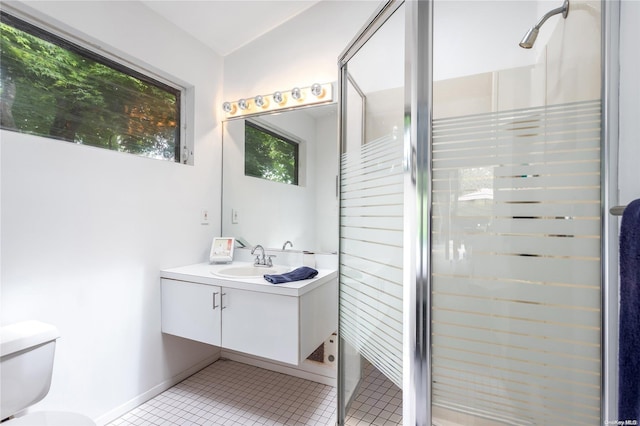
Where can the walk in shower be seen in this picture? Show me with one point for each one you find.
(471, 227)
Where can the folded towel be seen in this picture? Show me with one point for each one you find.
(302, 273)
(629, 323)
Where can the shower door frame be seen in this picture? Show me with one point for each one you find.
(609, 62)
(418, 283)
(418, 203)
(417, 187)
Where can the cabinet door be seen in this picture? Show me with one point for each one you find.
(191, 310)
(260, 324)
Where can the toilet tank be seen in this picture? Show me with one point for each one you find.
(26, 364)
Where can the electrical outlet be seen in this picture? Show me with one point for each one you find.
(234, 216)
(204, 217)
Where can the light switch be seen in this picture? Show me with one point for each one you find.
(234, 216)
(204, 217)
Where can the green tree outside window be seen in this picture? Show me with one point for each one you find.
(268, 155)
(50, 87)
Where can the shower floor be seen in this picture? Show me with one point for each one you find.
(378, 401)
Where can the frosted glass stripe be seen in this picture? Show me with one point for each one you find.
(547, 169)
(532, 268)
(519, 117)
(456, 373)
(365, 212)
(527, 293)
(516, 264)
(587, 180)
(532, 226)
(373, 158)
(500, 159)
(534, 329)
(523, 309)
(373, 176)
(357, 192)
(502, 156)
(563, 141)
(381, 286)
(584, 209)
(565, 135)
(487, 243)
(372, 222)
(575, 351)
(565, 128)
(371, 253)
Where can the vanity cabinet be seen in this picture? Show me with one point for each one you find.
(261, 324)
(191, 310)
(284, 322)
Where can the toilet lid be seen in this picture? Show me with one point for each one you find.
(51, 418)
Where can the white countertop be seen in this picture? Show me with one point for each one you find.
(204, 273)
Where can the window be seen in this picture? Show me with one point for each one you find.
(269, 155)
(54, 88)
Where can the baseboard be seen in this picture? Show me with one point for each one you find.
(153, 392)
(323, 375)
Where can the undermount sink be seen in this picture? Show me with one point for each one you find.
(249, 271)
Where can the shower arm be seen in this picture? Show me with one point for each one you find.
(564, 9)
(530, 37)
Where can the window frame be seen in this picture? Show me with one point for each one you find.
(281, 135)
(96, 51)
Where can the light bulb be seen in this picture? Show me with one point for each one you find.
(242, 104)
(316, 90)
(259, 100)
(278, 98)
(295, 93)
(228, 107)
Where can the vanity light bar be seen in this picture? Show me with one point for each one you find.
(296, 97)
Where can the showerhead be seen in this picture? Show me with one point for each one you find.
(530, 37)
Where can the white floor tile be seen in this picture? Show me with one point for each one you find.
(232, 393)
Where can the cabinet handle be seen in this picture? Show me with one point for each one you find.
(214, 301)
(222, 301)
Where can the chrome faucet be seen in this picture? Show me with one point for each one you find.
(262, 260)
(284, 246)
(258, 261)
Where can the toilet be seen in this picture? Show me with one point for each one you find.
(26, 362)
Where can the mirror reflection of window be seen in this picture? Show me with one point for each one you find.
(269, 155)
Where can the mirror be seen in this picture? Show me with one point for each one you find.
(270, 213)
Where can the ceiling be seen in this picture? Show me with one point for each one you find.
(227, 25)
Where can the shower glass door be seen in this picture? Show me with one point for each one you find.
(371, 224)
(515, 255)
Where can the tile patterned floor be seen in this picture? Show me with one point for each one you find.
(379, 402)
(232, 393)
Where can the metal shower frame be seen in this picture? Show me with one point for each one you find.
(417, 187)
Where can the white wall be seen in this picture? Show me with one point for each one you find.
(469, 43)
(85, 231)
(629, 172)
(326, 198)
(300, 52)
